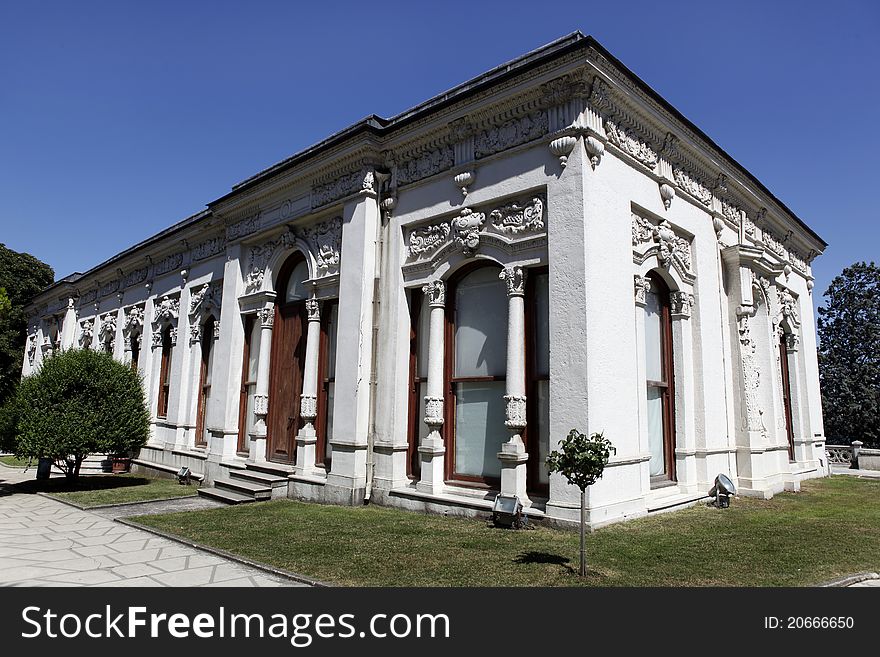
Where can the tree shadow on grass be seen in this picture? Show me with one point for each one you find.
(533, 557)
(83, 483)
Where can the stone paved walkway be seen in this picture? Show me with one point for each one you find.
(46, 543)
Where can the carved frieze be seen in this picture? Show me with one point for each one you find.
(511, 133)
(342, 186)
(209, 248)
(692, 186)
(428, 238)
(135, 276)
(466, 230)
(773, 243)
(515, 218)
(174, 261)
(109, 287)
(425, 164)
(244, 227)
(627, 139)
(731, 212)
(797, 261)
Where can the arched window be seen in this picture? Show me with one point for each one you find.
(295, 289)
(165, 373)
(207, 364)
(476, 369)
(660, 382)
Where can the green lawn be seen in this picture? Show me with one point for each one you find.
(95, 490)
(15, 462)
(830, 529)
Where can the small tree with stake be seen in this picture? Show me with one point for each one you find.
(581, 460)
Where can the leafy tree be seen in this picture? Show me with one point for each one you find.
(849, 356)
(581, 461)
(21, 277)
(79, 402)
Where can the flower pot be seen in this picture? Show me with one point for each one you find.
(120, 464)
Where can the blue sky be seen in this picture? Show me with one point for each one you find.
(118, 119)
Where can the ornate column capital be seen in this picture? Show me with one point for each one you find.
(267, 317)
(642, 284)
(792, 341)
(681, 304)
(313, 310)
(435, 291)
(515, 277)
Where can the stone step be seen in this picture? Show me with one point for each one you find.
(257, 491)
(275, 469)
(226, 495)
(257, 477)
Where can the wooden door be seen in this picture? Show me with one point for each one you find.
(786, 396)
(285, 381)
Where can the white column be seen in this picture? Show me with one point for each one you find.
(306, 439)
(432, 450)
(261, 398)
(513, 454)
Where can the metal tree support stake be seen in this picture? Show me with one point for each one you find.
(583, 523)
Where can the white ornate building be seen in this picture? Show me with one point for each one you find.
(415, 310)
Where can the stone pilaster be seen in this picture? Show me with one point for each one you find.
(513, 454)
(432, 450)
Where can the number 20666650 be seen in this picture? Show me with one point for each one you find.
(809, 622)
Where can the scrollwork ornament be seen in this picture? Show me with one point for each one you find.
(466, 230)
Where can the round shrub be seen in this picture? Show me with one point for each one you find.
(80, 402)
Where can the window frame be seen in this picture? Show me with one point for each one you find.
(204, 390)
(165, 374)
(668, 385)
(449, 381)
